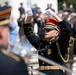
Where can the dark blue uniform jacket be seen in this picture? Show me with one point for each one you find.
(11, 64)
(49, 50)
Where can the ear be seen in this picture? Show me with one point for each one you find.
(56, 33)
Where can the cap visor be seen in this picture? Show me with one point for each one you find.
(49, 28)
(5, 22)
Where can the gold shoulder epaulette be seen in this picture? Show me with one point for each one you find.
(11, 55)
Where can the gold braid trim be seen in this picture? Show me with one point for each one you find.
(59, 52)
(4, 22)
(11, 55)
(71, 42)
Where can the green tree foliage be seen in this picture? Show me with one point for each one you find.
(60, 2)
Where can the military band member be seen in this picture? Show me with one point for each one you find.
(53, 46)
(10, 64)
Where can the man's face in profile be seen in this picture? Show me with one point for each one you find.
(51, 33)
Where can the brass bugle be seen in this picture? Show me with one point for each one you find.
(44, 59)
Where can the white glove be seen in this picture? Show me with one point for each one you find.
(29, 12)
(49, 13)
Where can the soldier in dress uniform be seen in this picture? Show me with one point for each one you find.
(53, 46)
(10, 64)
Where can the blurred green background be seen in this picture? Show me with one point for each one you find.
(60, 2)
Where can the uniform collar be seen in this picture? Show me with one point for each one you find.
(52, 41)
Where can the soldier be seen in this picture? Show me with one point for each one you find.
(20, 21)
(10, 64)
(21, 9)
(54, 45)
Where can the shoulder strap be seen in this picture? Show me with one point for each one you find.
(11, 55)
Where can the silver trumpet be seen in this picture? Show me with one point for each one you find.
(42, 58)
